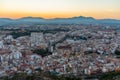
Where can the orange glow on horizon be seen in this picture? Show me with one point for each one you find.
(98, 9)
(97, 15)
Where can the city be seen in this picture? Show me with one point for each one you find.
(59, 39)
(72, 50)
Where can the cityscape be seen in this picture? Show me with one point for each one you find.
(64, 47)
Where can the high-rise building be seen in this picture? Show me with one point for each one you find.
(37, 39)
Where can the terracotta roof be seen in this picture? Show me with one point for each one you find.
(4, 51)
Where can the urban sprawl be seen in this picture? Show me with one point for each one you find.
(68, 49)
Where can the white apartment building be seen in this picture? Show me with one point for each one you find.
(36, 39)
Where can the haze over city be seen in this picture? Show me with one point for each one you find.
(98, 9)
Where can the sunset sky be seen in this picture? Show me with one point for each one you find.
(60, 8)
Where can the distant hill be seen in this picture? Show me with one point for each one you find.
(73, 20)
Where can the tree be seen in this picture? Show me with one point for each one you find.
(42, 52)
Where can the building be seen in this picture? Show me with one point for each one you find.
(36, 39)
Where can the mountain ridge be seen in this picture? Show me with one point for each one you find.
(72, 20)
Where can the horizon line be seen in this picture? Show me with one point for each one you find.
(57, 17)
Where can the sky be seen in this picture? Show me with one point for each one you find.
(98, 9)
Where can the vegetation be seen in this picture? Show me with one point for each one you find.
(117, 52)
(111, 76)
(77, 37)
(42, 52)
(41, 75)
(17, 32)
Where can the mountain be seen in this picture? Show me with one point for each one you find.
(73, 20)
(5, 21)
